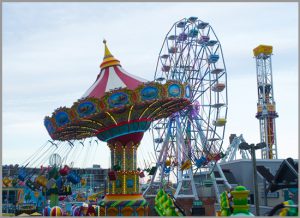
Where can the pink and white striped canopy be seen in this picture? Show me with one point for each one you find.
(112, 77)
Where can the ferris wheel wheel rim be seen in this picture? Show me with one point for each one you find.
(204, 50)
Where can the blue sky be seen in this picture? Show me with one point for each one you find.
(52, 53)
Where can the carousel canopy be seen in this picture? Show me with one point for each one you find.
(112, 76)
(117, 105)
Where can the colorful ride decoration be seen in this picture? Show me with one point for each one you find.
(288, 210)
(46, 211)
(238, 202)
(85, 210)
(118, 108)
(225, 205)
(6, 181)
(76, 211)
(22, 174)
(42, 180)
(91, 211)
(164, 205)
(64, 171)
(54, 196)
(56, 211)
(126, 205)
(55, 184)
(73, 177)
(97, 210)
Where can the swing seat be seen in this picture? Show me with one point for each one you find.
(41, 180)
(6, 181)
(73, 178)
(64, 171)
(22, 175)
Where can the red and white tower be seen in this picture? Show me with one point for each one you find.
(266, 110)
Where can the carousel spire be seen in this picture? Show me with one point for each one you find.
(108, 60)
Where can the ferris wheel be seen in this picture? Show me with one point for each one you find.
(192, 138)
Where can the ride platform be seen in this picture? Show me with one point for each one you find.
(124, 205)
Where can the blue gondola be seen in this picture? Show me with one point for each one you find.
(172, 37)
(22, 175)
(165, 56)
(158, 140)
(213, 58)
(212, 42)
(192, 19)
(73, 177)
(200, 162)
(59, 183)
(193, 33)
(202, 25)
(181, 24)
(160, 79)
(167, 170)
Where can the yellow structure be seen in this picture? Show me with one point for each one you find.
(220, 122)
(265, 49)
(186, 165)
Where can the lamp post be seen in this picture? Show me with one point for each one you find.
(252, 148)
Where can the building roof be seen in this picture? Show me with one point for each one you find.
(229, 176)
(285, 177)
(112, 76)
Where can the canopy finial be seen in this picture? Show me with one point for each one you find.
(108, 59)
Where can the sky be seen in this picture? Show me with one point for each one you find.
(52, 52)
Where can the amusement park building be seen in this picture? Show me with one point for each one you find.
(245, 177)
(235, 176)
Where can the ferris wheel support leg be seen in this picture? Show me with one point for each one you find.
(217, 192)
(181, 178)
(222, 177)
(179, 186)
(193, 185)
(158, 165)
(226, 183)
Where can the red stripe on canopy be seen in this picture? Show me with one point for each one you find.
(99, 90)
(130, 82)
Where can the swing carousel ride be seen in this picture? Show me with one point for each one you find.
(118, 108)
